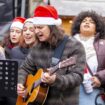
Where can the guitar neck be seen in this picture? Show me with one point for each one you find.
(65, 63)
(53, 69)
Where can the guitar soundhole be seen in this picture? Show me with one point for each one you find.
(44, 85)
(36, 103)
(25, 98)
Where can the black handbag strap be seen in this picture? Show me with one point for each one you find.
(58, 51)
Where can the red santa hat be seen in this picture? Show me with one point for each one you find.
(18, 22)
(46, 15)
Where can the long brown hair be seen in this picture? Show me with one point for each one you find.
(55, 34)
(6, 40)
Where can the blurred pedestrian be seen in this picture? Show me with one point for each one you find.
(2, 53)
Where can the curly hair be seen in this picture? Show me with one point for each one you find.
(98, 19)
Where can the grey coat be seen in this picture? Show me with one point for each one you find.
(65, 90)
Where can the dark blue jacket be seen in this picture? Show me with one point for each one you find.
(19, 54)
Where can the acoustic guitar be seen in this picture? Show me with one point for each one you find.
(35, 89)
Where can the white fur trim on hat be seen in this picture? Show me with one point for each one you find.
(17, 24)
(47, 21)
(29, 20)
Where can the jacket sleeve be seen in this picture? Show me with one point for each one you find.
(74, 75)
(27, 67)
(101, 76)
(100, 50)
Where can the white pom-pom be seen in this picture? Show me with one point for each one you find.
(58, 22)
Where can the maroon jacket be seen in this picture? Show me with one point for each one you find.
(100, 52)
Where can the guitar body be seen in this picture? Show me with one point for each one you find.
(36, 91)
(34, 95)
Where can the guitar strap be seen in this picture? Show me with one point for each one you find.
(58, 51)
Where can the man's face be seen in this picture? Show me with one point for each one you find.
(42, 32)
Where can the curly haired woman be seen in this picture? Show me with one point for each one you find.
(89, 29)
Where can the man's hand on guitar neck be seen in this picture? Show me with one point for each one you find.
(47, 78)
(21, 91)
